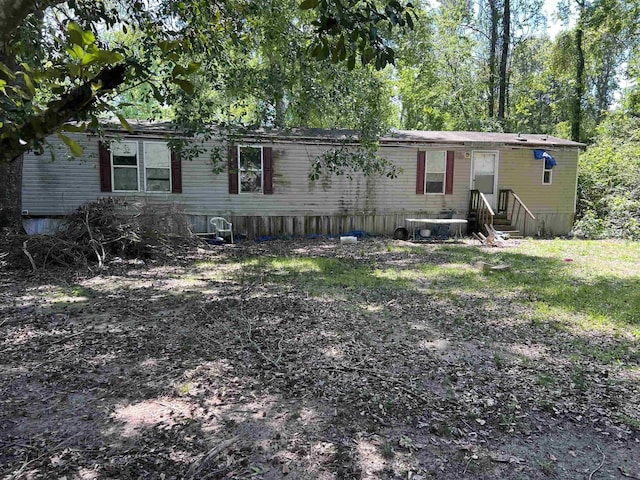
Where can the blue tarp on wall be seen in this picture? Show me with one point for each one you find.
(549, 161)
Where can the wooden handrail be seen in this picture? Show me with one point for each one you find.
(479, 204)
(503, 203)
(517, 206)
(517, 199)
(486, 204)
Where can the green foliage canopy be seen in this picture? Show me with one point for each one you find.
(609, 181)
(63, 61)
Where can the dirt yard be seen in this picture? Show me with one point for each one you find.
(311, 360)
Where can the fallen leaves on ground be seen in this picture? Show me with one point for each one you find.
(219, 366)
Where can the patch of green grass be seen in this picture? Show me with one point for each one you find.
(79, 291)
(630, 421)
(579, 379)
(598, 290)
(76, 291)
(594, 296)
(325, 275)
(508, 422)
(611, 353)
(601, 282)
(409, 249)
(71, 296)
(546, 466)
(545, 380)
(184, 389)
(387, 451)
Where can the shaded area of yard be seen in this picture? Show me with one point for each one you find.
(314, 360)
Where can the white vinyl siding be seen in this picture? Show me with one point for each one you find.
(61, 186)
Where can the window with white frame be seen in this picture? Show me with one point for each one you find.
(157, 167)
(435, 172)
(124, 167)
(250, 169)
(547, 174)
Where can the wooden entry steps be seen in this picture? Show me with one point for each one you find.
(502, 224)
(511, 216)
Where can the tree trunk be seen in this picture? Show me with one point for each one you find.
(493, 47)
(280, 112)
(576, 108)
(11, 194)
(603, 82)
(506, 38)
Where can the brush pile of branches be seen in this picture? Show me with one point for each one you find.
(106, 229)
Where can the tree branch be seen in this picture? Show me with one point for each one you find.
(79, 99)
(14, 12)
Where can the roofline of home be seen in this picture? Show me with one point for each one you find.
(349, 137)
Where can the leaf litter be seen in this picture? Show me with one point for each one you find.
(218, 364)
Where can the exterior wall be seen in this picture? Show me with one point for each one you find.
(57, 183)
(552, 205)
(299, 206)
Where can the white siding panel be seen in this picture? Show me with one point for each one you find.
(294, 194)
(57, 186)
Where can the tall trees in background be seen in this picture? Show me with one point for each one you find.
(75, 60)
(604, 35)
(472, 64)
(498, 53)
(504, 59)
(578, 94)
(268, 76)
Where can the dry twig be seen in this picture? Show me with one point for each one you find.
(627, 475)
(601, 463)
(46, 452)
(205, 459)
(26, 252)
(102, 229)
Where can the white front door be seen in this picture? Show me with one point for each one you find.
(484, 175)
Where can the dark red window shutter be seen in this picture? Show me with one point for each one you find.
(267, 167)
(448, 189)
(104, 155)
(233, 170)
(176, 173)
(420, 174)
